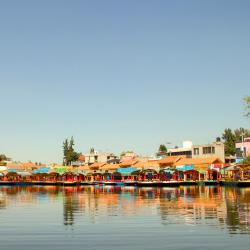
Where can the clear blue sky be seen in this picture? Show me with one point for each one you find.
(120, 75)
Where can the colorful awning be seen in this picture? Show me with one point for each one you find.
(126, 171)
(185, 168)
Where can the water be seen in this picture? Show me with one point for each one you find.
(124, 218)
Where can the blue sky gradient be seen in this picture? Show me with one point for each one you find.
(120, 75)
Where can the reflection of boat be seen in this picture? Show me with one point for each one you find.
(113, 183)
(211, 182)
(70, 183)
(243, 183)
(170, 183)
(188, 183)
(148, 183)
(130, 183)
(88, 183)
(99, 182)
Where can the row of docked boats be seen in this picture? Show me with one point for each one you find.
(150, 183)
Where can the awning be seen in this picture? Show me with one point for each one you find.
(12, 170)
(41, 170)
(3, 168)
(185, 167)
(126, 171)
(24, 173)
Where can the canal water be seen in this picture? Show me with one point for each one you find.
(112, 218)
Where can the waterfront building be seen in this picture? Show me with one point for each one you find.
(243, 148)
(95, 156)
(215, 149)
(207, 168)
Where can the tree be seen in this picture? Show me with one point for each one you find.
(246, 161)
(70, 155)
(246, 101)
(229, 141)
(3, 157)
(162, 148)
(231, 137)
(124, 153)
(240, 133)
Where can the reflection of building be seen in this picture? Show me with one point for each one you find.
(211, 206)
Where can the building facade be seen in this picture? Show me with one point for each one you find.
(96, 156)
(243, 148)
(215, 149)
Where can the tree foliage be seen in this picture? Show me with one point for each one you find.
(69, 154)
(123, 153)
(246, 161)
(230, 137)
(162, 148)
(246, 101)
(3, 157)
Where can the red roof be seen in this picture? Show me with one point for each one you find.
(97, 165)
(169, 160)
(199, 161)
(81, 157)
(128, 163)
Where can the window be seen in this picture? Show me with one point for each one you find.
(196, 151)
(208, 150)
(213, 150)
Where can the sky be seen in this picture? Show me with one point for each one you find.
(120, 75)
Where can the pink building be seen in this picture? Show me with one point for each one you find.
(243, 148)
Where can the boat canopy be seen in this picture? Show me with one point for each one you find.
(126, 171)
(3, 168)
(24, 173)
(185, 167)
(41, 170)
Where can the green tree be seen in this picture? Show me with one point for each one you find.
(229, 140)
(3, 157)
(69, 154)
(246, 160)
(240, 133)
(162, 148)
(246, 101)
(231, 137)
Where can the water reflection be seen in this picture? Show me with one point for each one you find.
(224, 208)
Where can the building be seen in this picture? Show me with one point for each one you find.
(215, 149)
(185, 150)
(243, 148)
(95, 156)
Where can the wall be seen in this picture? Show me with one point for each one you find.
(219, 151)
